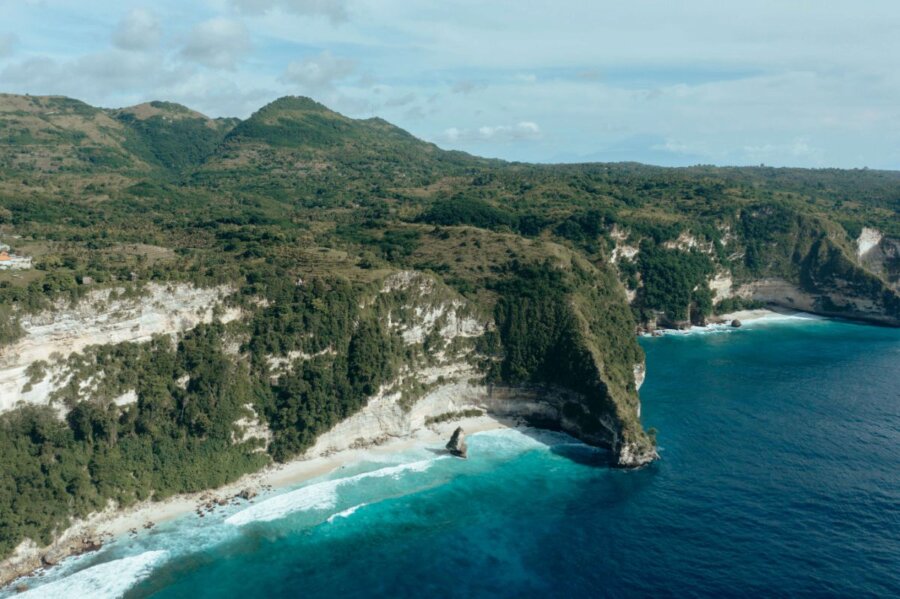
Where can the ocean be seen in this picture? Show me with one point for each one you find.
(780, 476)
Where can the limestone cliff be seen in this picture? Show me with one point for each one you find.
(445, 370)
(35, 366)
(774, 257)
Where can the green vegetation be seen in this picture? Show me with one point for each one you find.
(467, 211)
(174, 144)
(305, 213)
(674, 283)
(173, 440)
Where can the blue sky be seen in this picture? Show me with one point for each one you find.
(785, 83)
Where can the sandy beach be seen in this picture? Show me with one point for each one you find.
(113, 522)
(277, 477)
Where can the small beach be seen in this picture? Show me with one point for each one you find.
(116, 523)
(746, 318)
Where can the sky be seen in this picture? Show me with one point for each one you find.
(775, 82)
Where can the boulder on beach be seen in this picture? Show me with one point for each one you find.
(736, 323)
(457, 444)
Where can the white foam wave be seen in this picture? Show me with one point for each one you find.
(695, 330)
(772, 318)
(779, 317)
(517, 441)
(319, 496)
(346, 513)
(108, 580)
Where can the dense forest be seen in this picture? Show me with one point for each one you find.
(160, 194)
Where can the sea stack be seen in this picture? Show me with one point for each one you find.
(457, 444)
(736, 323)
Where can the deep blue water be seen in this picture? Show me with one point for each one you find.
(780, 475)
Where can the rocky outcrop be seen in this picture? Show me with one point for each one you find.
(29, 557)
(632, 455)
(721, 286)
(838, 301)
(385, 417)
(794, 261)
(881, 255)
(868, 239)
(457, 444)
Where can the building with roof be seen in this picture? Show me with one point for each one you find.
(9, 261)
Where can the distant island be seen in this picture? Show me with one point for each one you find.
(185, 301)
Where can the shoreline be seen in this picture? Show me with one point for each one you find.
(724, 322)
(89, 535)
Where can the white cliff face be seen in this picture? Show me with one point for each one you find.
(101, 318)
(622, 249)
(881, 255)
(439, 379)
(446, 374)
(779, 292)
(868, 239)
(687, 242)
(451, 383)
(445, 318)
(431, 313)
(126, 399)
(721, 286)
(640, 373)
(788, 295)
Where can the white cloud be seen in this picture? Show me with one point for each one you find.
(218, 43)
(798, 149)
(113, 72)
(318, 74)
(138, 30)
(336, 10)
(525, 130)
(685, 83)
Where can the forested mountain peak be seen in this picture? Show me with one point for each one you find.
(167, 110)
(300, 122)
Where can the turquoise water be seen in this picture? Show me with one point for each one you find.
(780, 475)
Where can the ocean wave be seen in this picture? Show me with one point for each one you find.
(710, 329)
(720, 328)
(107, 580)
(318, 496)
(514, 441)
(777, 317)
(346, 513)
